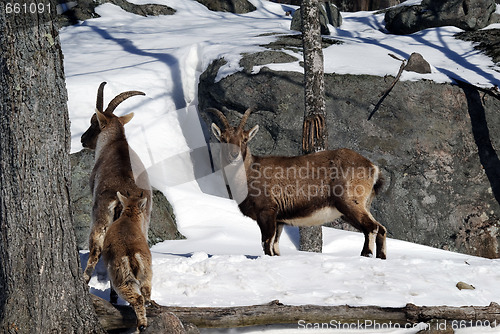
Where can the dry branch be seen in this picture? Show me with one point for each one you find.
(112, 317)
(388, 90)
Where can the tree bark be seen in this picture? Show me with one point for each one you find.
(41, 288)
(315, 136)
(115, 317)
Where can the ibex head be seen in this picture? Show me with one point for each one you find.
(132, 205)
(102, 119)
(236, 136)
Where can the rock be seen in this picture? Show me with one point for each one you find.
(426, 138)
(232, 6)
(417, 63)
(485, 40)
(264, 58)
(81, 198)
(143, 10)
(85, 9)
(162, 225)
(463, 14)
(364, 5)
(166, 323)
(464, 286)
(329, 14)
(352, 5)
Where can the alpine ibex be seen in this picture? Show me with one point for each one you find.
(117, 168)
(303, 190)
(127, 256)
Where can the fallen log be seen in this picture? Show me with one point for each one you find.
(115, 317)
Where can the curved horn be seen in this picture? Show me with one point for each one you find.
(244, 118)
(220, 115)
(120, 98)
(100, 94)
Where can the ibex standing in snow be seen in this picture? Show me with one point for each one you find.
(303, 190)
(128, 258)
(117, 168)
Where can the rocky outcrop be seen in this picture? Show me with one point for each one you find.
(351, 5)
(487, 40)
(463, 14)
(162, 227)
(328, 14)
(434, 142)
(364, 5)
(81, 10)
(232, 6)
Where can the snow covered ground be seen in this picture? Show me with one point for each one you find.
(221, 262)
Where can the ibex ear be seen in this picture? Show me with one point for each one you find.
(101, 119)
(142, 203)
(253, 132)
(121, 198)
(216, 131)
(125, 119)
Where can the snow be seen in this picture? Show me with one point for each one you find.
(221, 262)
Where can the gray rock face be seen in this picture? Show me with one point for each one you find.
(463, 14)
(329, 14)
(487, 40)
(434, 142)
(233, 6)
(85, 9)
(352, 5)
(365, 5)
(162, 225)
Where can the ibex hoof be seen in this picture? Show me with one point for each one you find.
(367, 254)
(142, 328)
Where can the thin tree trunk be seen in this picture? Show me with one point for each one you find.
(41, 289)
(315, 136)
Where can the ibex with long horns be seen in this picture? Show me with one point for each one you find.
(303, 190)
(117, 168)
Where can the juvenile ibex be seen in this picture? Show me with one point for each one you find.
(117, 168)
(128, 258)
(303, 190)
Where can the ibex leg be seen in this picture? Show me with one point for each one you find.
(102, 216)
(129, 291)
(381, 247)
(267, 223)
(96, 242)
(361, 219)
(276, 245)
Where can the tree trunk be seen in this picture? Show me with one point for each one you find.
(41, 288)
(315, 136)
